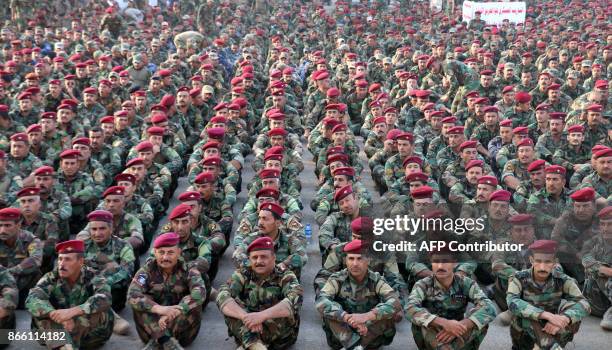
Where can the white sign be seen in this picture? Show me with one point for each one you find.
(435, 5)
(494, 13)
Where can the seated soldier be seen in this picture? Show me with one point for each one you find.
(546, 304)
(261, 302)
(289, 248)
(111, 257)
(357, 306)
(166, 297)
(9, 296)
(597, 262)
(20, 252)
(72, 299)
(437, 307)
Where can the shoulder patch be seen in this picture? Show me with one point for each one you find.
(141, 279)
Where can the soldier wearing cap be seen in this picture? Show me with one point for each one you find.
(341, 177)
(91, 166)
(78, 185)
(90, 110)
(20, 251)
(166, 297)
(336, 229)
(9, 183)
(394, 167)
(573, 228)
(357, 305)
(437, 305)
(20, 161)
(464, 190)
(554, 137)
(289, 247)
(261, 301)
(450, 152)
(597, 261)
(547, 304)
(102, 152)
(288, 179)
(74, 299)
(574, 155)
(599, 180)
(53, 200)
(455, 170)
(215, 205)
(42, 224)
(521, 113)
(594, 127)
(550, 201)
(508, 151)
(270, 179)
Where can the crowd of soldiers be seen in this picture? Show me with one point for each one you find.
(101, 113)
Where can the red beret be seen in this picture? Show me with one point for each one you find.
(575, 129)
(422, 192)
(601, 84)
(34, 128)
(73, 246)
(379, 120)
(28, 191)
(488, 180)
(48, 115)
(189, 196)
(114, 191)
(134, 161)
(322, 75)
(374, 87)
(100, 215)
(342, 192)
(393, 133)
(543, 107)
(212, 161)
(333, 92)
(455, 130)
(605, 213)
(82, 141)
(348, 171)
(407, 136)
(277, 116)
(339, 128)
(355, 246)
(261, 243)
(603, 153)
(24, 96)
(274, 208)
(332, 106)
(507, 89)
(210, 144)
(205, 177)
(107, 120)
(489, 109)
(339, 157)
(168, 239)
(523, 130)
(21, 136)
(269, 173)
(481, 101)
(422, 93)
(555, 169)
(505, 123)
(544, 246)
(412, 159)
(275, 150)
(586, 194)
(522, 97)
(557, 115)
(525, 142)
(598, 148)
(44, 171)
(273, 156)
(536, 165)
(268, 192)
(417, 176)
(521, 219)
(472, 94)
(215, 133)
(180, 211)
(156, 130)
(70, 154)
(486, 72)
(468, 144)
(159, 118)
(595, 108)
(218, 119)
(474, 163)
(144, 146)
(167, 101)
(449, 120)
(90, 91)
(125, 177)
(500, 195)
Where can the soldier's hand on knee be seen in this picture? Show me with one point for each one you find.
(551, 328)
(163, 322)
(68, 325)
(444, 337)
(362, 330)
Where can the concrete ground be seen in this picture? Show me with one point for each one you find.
(213, 333)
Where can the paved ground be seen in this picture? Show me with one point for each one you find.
(213, 334)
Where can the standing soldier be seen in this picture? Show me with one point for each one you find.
(73, 299)
(357, 306)
(597, 262)
(261, 302)
(166, 297)
(535, 297)
(437, 305)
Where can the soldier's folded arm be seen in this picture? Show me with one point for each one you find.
(197, 292)
(518, 306)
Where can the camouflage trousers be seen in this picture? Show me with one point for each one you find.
(425, 338)
(7, 323)
(598, 291)
(184, 328)
(499, 289)
(526, 333)
(277, 333)
(341, 335)
(89, 331)
(24, 284)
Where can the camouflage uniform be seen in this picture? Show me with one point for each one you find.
(602, 187)
(184, 287)
(504, 265)
(126, 226)
(91, 293)
(23, 167)
(115, 261)
(527, 300)
(9, 186)
(546, 145)
(23, 261)
(548, 209)
(81, 190)
(429, 299)
(288, 248)
(9, 296)
(336, 230)
(45, 228)
(341, 294)
(253, 294)
(597, 288)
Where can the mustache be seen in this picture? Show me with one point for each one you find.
(542, 271)
(441, 270)
(260, 265)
